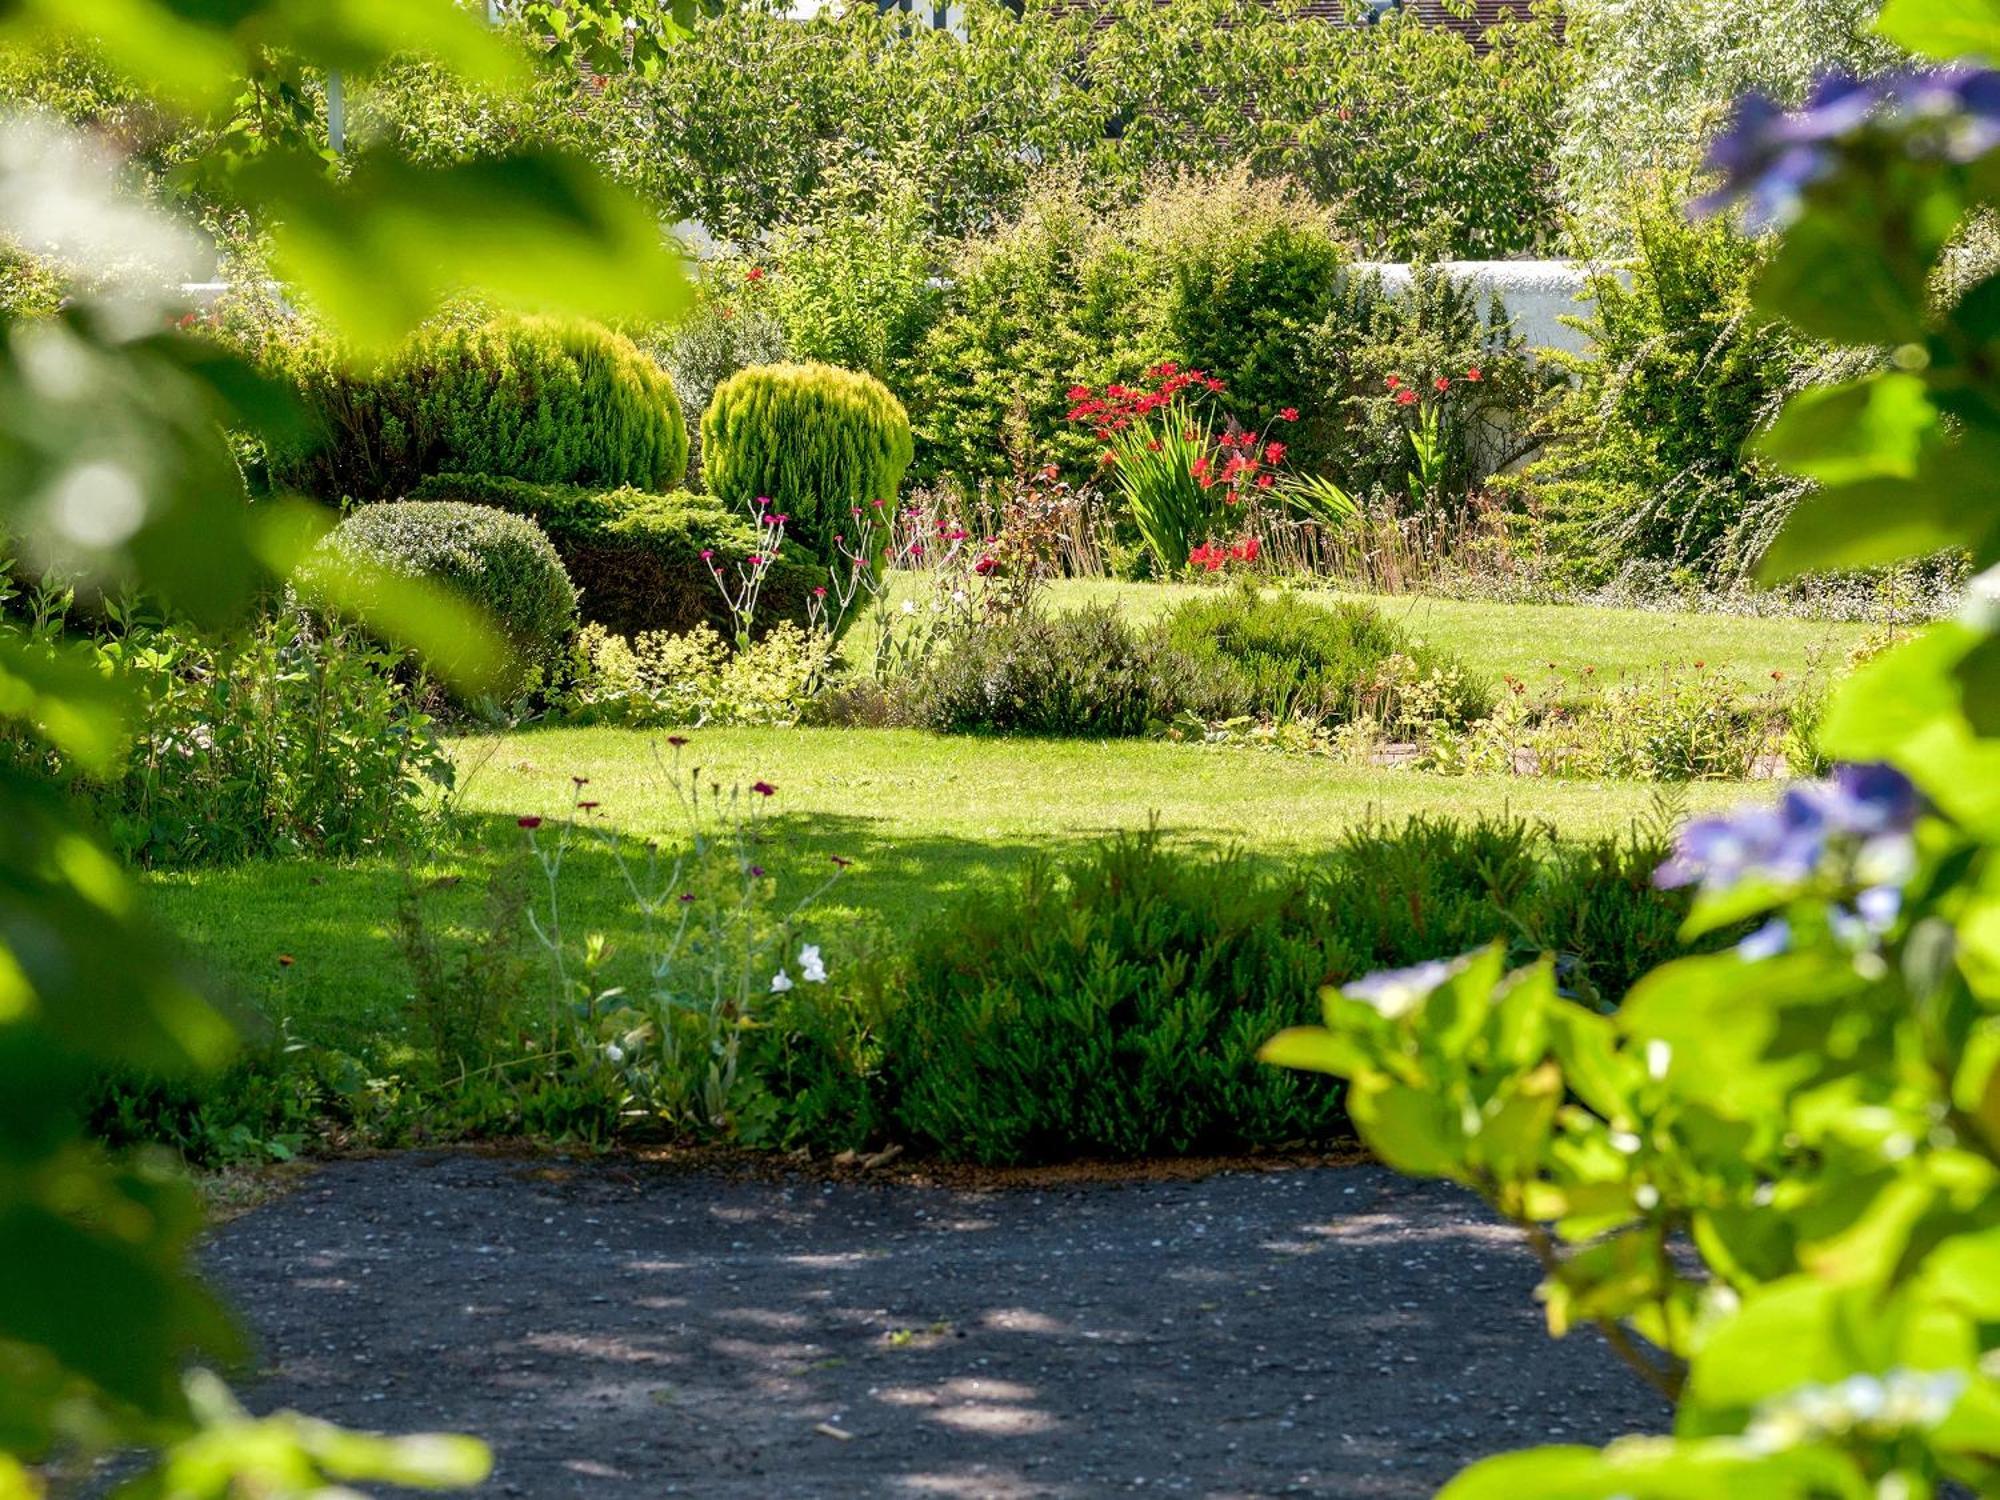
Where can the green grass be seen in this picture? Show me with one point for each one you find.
(922, 818)
(1583, 645)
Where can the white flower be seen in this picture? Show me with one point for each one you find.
(613, 1053)
(909, 606)
(780, 982)
(812, 968)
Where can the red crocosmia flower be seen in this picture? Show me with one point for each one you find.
(1265, 481)
(1109, 459)
(1473, 374)
(985, 565)
(1079, 393)
(1274, 453)
(1394, 382)
(1406, 398)
(1442, 383)
(1289, 414)
(1214, 385)
(1153, 446)
(762, 788)
(530, 822)
(755, 273)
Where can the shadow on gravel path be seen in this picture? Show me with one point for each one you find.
(615, 1330)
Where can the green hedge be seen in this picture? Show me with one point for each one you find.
(636, 557)
(501, 563)
(538, 399)
(1113, 1005)
(815, 439)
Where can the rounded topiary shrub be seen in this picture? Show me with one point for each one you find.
(502, 564)
(816, 439)
(540, 399)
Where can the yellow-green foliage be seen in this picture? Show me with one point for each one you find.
(659, 678)
(816, 439)
(538, 399)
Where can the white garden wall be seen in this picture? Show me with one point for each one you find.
(1537, 294)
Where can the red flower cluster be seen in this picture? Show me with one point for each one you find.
(1215, 556)
(1114, 410)
(1245, 459)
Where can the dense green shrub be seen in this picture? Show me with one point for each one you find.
(1082, 673)
(1646, 463)
(1114, 1005)
(529, 398)
(815, 440)
(854, 282)
(279, 740)
(636, 557)
(1285, 657)
(1223, 274)
(1407, 126)
(1434, 328)
(502, 564)
(1115, 1009)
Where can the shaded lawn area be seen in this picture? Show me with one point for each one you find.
(1538, 642)
(923, 818)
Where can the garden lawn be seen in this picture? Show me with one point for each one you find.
(921, 817)
(1584, 645)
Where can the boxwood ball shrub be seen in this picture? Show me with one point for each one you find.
(501, 563)
(540, 399)
(816, 439)
(635, 556)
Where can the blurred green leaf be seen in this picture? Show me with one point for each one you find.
(541, 232)
(1873, 428)
(1839, 286)
(1944, 28)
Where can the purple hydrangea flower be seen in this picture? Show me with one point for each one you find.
(1769, 156)
(1874, 804)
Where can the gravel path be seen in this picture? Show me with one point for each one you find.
(617, 1330)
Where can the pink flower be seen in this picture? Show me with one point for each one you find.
(762, 788)
(1289, 414)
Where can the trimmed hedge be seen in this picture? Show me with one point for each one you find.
(816, 439)
(539, 399)
(499, 562)
(636, 557)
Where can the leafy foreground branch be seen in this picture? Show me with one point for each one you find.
(115, 472)
(1773, 1176)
